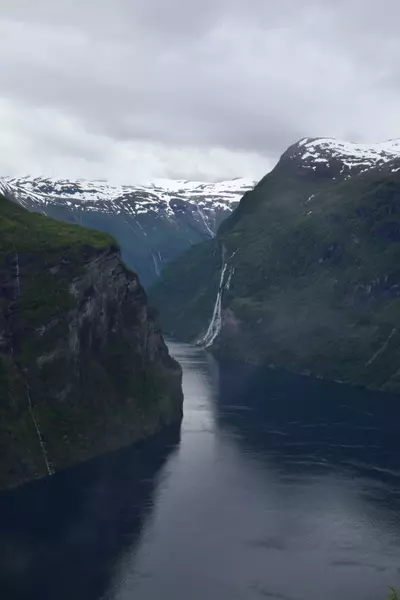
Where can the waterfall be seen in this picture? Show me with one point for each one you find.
(216, 320)
(18, 274)
(140, 227)
(381, 349)
(210, 231)
(230, 275)
(18, 282)
(156, 268)
(49, 468)
(215, 325)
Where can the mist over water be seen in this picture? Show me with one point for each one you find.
(276, 487)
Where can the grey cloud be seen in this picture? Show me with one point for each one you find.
(222, 80)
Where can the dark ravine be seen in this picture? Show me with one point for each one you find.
(83, 367)
(307, 269)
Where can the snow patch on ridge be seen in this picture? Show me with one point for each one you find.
(160, 198)
(99, 191)
(350, 154)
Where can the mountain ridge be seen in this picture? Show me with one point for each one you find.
(152, 223)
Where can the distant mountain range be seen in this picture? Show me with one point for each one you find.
(305, 274)
(153, 223)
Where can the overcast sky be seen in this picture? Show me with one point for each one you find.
(130, 90)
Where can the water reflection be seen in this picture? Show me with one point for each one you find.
(281, 487)
(60, 538)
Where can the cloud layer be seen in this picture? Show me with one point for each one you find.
(130, 90)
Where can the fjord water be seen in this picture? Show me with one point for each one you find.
(276, 487)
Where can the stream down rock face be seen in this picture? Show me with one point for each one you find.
(83, 367)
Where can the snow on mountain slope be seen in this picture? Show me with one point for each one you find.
(153, 223)
(337, 158)
(159, 194)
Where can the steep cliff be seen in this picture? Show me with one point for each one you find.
(304, 275)
(83, 367)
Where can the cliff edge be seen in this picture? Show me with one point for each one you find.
(83, 367)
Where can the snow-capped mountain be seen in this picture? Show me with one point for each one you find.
(328, 157)
(153, 223)
(305, 275)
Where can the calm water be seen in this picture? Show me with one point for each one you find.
(276, 487)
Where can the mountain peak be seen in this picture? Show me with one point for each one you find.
(331, 157)
(381, 151)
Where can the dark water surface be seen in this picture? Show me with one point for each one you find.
(277, 487)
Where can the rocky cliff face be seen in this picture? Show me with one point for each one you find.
(83, 367)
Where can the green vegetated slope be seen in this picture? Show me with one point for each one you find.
(83, 368)
(140, 247)
(316, 281)
(185, 293)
